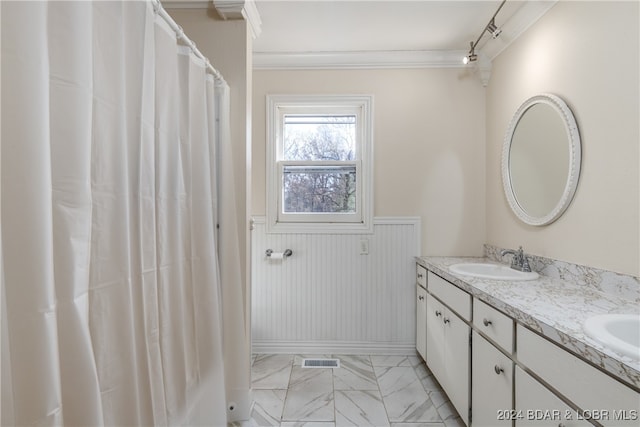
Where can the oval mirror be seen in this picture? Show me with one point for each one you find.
(541, 159)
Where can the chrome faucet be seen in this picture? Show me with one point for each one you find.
(519, 260)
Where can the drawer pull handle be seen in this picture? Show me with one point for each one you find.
(446, 320)
(562, 425)
(438, 313)
(420, 276)
(498, 369)
(486, 322)
(420, 297)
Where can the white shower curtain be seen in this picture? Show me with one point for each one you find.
(111, 311)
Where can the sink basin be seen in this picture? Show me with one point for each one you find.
(491, 271)
(619, 332)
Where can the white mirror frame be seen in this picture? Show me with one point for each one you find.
(574, 159)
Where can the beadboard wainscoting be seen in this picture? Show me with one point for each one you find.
(329, 297)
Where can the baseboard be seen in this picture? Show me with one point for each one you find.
(333, 347)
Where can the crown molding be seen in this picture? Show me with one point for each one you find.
(186, 4)
(240, 9)
(227, 9)
(358, 60)
(518, 23)
(530, 12)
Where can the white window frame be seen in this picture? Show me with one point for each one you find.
(359, 222)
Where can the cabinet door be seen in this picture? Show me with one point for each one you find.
(435, 338)
(421, 321)
(492, 385)
(538, 406)
(456, 359)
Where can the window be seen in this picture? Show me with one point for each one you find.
(319, 159)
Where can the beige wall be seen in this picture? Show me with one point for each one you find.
(428, 146)
(587, 53)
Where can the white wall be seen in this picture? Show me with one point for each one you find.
(428, 146)
(587, 53)
(329, 297)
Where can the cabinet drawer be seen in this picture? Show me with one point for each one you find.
(587, 387)
(456, 298)
(421, 276)
(492, 323)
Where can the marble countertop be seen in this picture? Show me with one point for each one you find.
(555, 308)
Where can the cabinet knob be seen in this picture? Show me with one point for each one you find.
(498, 369)
(486, 322)
(420, 297)
(420, 276)
(446, 320)
(438, 313)
(561, 425)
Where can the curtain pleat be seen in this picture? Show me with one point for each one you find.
(30, 289)
(110, 282)
(71, 94)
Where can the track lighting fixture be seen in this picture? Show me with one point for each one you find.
(490, 28)
(471, 56)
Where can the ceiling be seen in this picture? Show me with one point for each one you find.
(290, 34)
(305, 26)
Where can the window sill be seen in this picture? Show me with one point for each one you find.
(272, 227)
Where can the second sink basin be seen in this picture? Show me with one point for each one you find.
(620, 332)
(486, 270)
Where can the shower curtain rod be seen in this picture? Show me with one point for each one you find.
(157, 6)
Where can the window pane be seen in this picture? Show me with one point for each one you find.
(319, 189)
(319, 137)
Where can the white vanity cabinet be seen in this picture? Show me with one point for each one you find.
(448, 340)
(421, 321)
(504, 374)
(537, 406)
(491, 368)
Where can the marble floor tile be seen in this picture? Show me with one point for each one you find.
(377, 360)
(268, 407)
(302, 405)
(430, 383)
(422, 371)
(307, 424)
(415, 360)
(404, 397)
(446, 410)
(439, 398)
(271, 371)
(454, 422)
(417, 425)
(360, 408)
(355, 373)
(311, 379)
(366, 391)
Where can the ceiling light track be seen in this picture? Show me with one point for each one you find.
(490, 28)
